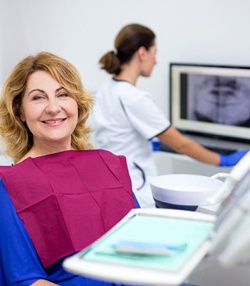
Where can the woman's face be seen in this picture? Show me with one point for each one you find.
(149, 61)
(49, 111)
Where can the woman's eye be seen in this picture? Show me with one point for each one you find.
(38, 97)
(64, 94)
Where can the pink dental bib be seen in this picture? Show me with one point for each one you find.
(67, 200)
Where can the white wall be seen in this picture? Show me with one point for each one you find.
(207, 31)
(195, 31)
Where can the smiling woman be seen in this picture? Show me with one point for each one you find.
(40, 81)
(59, 197)
(50, 113)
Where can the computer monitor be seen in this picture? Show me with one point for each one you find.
(211, 100)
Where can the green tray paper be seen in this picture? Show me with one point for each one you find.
(152, 230)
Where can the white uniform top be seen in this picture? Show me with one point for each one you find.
(125, 119)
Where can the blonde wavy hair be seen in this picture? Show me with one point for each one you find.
(17, 137)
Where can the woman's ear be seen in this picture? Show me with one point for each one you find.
(141, 53)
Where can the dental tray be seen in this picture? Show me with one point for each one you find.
(149, 247)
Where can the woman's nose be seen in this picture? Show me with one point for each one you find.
(53, 106)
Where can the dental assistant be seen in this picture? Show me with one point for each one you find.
(126, 118)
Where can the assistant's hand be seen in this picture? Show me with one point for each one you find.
(231, 159)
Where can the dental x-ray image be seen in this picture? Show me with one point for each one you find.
(219, 99)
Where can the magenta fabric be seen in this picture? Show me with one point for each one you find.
(67, 200)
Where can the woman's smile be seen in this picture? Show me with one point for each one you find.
(54, 122)
(49, 110)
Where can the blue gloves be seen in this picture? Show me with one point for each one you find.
(156, 144)
(231, 159)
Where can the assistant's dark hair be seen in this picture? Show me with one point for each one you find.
(127, 42)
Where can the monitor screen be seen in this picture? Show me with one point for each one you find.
(211, 100)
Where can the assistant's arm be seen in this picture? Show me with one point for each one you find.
(183, 145)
